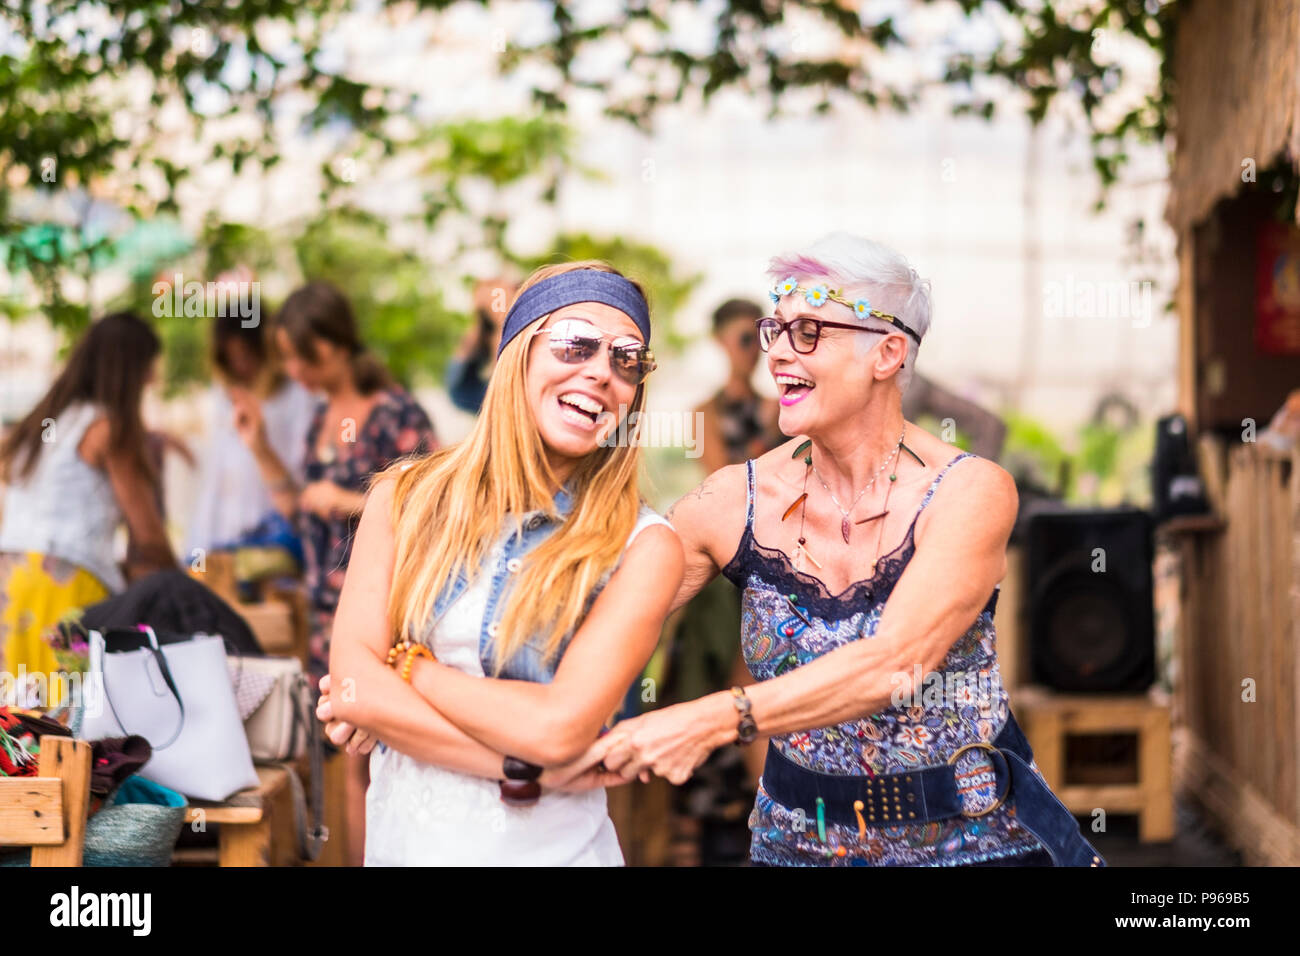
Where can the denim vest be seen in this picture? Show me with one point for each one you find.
(527, 663)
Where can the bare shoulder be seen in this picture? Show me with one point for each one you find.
(657, 546)
(377, 513)
(976, 489)
(93, 448)
(381, 492)
(718, 489)
(712, 513)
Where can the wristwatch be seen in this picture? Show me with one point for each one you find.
(746, 729)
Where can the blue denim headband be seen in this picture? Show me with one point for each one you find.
(568, 288)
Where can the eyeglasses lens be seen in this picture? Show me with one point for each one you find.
(804, 333)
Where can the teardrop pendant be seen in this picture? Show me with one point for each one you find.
(844, 528)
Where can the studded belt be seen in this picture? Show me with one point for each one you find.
(933, 793)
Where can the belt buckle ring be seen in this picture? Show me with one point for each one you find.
(982, 745)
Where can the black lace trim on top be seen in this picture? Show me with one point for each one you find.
(775, 567)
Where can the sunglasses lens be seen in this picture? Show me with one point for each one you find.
(574, 342)
(632, 362)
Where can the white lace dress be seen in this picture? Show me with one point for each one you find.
(421, 815)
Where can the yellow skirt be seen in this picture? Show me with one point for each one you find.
(36, 592)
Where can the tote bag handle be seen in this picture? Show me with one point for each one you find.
(100, 647)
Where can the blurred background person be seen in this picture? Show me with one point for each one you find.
(77, 467)
(470, 367)
(362, 424)
(736, 424)
(232, 499)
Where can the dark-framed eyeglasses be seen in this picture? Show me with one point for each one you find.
(804, 333)
(574, 341)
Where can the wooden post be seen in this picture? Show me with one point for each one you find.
(1185, 305)
(1156, 772)
(1291, 668)
(1008, 622)
(68, 760)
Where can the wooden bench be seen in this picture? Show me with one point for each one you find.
(256, 827)
(1051, 719)
(48, 812)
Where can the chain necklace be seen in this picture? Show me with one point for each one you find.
(845, 512)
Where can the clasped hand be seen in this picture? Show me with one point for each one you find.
(341, 734)
(670, 743)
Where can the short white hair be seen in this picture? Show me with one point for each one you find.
(858, 267)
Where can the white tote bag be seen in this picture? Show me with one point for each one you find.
(178, 697)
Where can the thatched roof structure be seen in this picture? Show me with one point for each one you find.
(1237, 98)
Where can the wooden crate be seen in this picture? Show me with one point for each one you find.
(278, 620)
(1050, 720)
(48, 812)
(256, 827)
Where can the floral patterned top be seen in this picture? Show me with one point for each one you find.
(395, 427)
(970, 705)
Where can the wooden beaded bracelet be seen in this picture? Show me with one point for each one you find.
(412, 650)
(417, 650)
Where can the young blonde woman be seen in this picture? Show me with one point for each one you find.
(531, 581)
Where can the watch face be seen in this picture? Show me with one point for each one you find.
(747, 730)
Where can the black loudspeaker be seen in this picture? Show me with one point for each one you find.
(1177, 488)
(1091, 604)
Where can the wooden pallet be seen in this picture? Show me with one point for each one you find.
(1051, 720)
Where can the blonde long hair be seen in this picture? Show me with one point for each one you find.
(449, 508)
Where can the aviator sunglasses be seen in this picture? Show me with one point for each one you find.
(574, 341)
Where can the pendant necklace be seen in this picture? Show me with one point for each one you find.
(801, 549)
(845, 512)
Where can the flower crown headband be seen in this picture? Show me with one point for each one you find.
(817, 296)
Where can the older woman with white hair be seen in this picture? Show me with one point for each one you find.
(869, 553)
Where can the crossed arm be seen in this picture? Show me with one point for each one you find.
(960, 556)
(451, 719)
